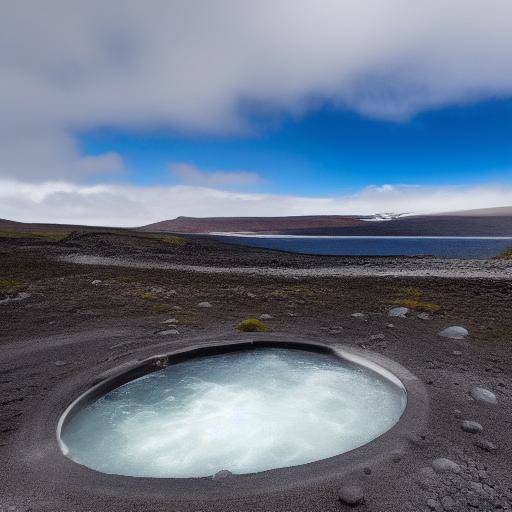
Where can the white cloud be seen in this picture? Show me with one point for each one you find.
(127, 205)
(190, 175)
(69, 65)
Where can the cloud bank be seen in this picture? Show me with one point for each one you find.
(129, 206)
(191, 175)
(69, 66)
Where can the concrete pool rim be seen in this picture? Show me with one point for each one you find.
(386, 446)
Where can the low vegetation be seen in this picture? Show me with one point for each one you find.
(251, 325)
(428, 307)
(506, 254)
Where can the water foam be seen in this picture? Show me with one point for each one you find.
(245, 412)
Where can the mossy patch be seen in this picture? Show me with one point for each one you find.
(505, 255)
(161, 307)
(428, 307)
(8, 285)
(251, 325)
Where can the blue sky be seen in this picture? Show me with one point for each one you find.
(219, 108)
(333, 151)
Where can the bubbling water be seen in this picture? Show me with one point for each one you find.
(244, 411)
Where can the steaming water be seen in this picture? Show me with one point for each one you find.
(244, 411)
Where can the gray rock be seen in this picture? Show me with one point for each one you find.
(59, 363)
(457, 353)
(351, 495)
(357, 315)
(455, 332)
(434, 505)
(472, 427)
(96, 281)
(443, 465)
(485, 445)
(379, 336)
(483, 395)
(223, 473)
(251, 295)
(423, 316)
(447, 502)
(399, 312)
(168, 332)
(266, 316)
(204, 305)
(390, 326)
(170, 321)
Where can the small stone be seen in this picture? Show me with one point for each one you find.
(266, 316)
(251, 295)
(379, 336)
(351, 495)
(357, 315)
(170, 321)
(59, 363)
(204, 305)
(423, 316)
(390, 326)
(434, 505)
(457, 413)
(455, 332)
(443, 465)
(472, 427)
(485, 445)
(19, 296)
(483, 395)
(399, 312)
(96, 281)
(167, 332)
(457, 353)
(448, 502)
(223, 473)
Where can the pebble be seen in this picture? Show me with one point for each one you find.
(434, 505)
(170, 321)
(351, 495)
(457, 353)
(485, 445)
(399, 312)
(251, 295)
(167, 332)
(391, 326)
(379, 336)
(423, 316)
(483, 395)
(266, 316)
(443, 465)
(448, 502)
(455, 332)
(357, 315)
(472, 427)
(204, 305)
(96, 281)
(59, 363)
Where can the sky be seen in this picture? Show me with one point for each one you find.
(125, 113)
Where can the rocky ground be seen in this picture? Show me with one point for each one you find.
(59, 318)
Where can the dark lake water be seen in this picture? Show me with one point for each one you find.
(446, 247)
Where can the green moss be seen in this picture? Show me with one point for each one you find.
(252, 325)
(9, 285)
(505, 255)
(161, 308)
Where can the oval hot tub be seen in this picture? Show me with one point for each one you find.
(246, 410)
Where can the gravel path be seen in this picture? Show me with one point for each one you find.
(400, 267)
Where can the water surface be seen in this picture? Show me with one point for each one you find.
(245, 412)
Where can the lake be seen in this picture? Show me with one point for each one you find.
(446, 247)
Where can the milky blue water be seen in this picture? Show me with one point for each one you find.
(445, 247)
(244, 412)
